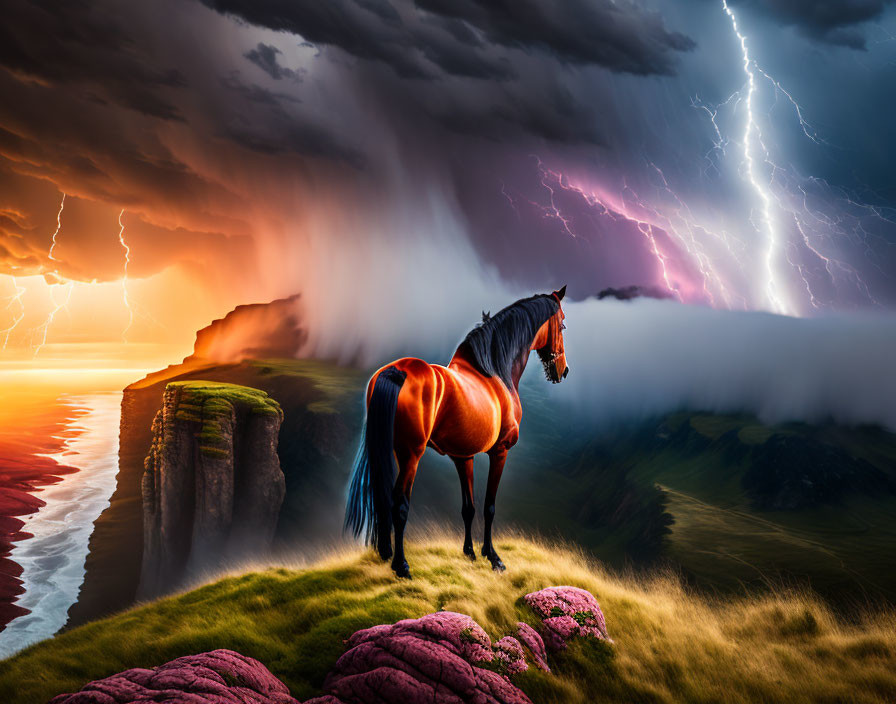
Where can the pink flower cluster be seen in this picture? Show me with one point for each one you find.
(440, 658)
(529, 637)
(509, 654)
(567, 613)
(216, 677)
(444, 657)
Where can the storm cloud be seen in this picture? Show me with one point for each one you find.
(432, 37)
(835, 21)
(259, 146)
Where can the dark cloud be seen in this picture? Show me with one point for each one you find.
(265, 57)
(367, 30)
(629, 293)
(92, 58)
(87, 244)
(229, 142)
(498, 71)
(93, 150)
(556, 116)
(616, 35)
(282, 132)
(833, 21)
(76, 43)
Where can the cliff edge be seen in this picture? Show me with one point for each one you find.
(212, 486)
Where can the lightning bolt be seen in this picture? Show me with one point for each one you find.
(781, 191)
(807, 129)
(751, 133)
(124, 279)
(61, 289)
(44, 329)
(678, 224)
(15, 298)
(807, 230)
(616, 209)
(58, 306)
(58, 227)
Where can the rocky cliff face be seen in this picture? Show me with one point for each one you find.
(316, 444)
(252, 331)
(212, 485)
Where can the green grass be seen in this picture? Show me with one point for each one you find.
(338, 385)
(671, 646)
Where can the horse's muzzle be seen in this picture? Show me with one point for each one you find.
(566, 372)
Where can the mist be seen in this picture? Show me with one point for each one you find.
(628, 360)
(631, 360)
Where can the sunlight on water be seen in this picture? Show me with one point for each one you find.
(53, 560)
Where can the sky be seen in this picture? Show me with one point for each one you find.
(405, 163)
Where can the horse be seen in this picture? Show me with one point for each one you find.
(470, 406)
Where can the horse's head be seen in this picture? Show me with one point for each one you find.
(549, 343)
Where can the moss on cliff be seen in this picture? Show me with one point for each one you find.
(210, 402)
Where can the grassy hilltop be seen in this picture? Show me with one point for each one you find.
(671, 645)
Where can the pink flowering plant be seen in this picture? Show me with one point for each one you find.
(567, 613)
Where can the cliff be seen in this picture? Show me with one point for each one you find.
(212, 486)
(252, 331)
(316, 443)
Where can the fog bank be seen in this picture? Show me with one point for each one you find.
(645, 357)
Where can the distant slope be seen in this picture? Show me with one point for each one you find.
(812, 505)
(742, 502)
(670, 645)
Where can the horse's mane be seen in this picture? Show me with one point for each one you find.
(500, 339)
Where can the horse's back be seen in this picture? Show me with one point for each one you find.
(455, 409)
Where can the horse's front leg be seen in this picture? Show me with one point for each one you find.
(497, 458)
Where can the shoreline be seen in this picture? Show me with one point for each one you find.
(25, 469)
(53, 559)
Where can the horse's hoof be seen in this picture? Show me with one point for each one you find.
(497, 565)
(385, 554)
(402, 571)
(471, 553)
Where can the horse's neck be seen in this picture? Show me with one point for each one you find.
(462, 358)
(519, 366)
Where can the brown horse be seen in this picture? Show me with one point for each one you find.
(470, 406)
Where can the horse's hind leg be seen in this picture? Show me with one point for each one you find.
(497, 459)
(401, 504)
(468, 508)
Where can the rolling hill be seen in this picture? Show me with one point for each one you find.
(670, 644)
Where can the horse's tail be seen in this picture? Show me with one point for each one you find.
(369, 506)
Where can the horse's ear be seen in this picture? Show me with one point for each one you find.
(486, 316)
(561, 293)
